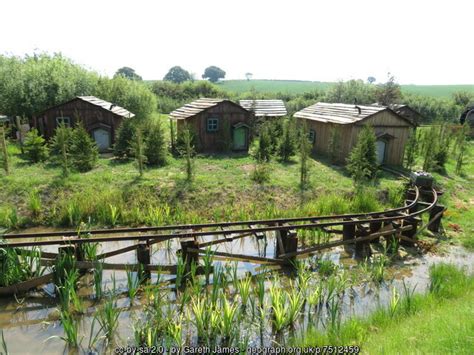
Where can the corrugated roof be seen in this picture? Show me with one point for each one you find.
(120, 111)
(338, 113)
(195, 107)
(271, 108)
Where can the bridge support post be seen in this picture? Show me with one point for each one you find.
(286, 242)
(411, 221)
(373, 228)
(435, 221)
(362, 249)
(348, 233)
(144, 259)
(188, 256)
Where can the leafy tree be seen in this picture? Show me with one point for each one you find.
(362, 161)
(4, 151)
(133, 95)
(123, 138)
(138, 148)
(305, 151)
(287, 144)
(388, 93)
(371, 79)
(61, 147)
(128, 73)
(213, 73)
(84, 151)
(350, 92)
(178, 75)
(248, 76)
(463, 98)
(35, 147)
(155, 144)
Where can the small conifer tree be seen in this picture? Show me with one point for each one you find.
(155, 145)
(35, 147)
(287, 145)
(84, 151)
(362, 162)
(305, 151)
(410, 150)
(61, 147)
(123, 139)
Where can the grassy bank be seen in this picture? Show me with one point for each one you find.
(439, 322)
(113, 193)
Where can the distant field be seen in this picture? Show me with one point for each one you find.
(295, 86)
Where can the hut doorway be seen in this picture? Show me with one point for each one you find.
(240, 137)
(102, 138)
(381, 146)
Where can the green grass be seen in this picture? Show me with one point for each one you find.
(439, 322)
(301, 86)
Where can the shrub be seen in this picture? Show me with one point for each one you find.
(84, 151)
(362, 162)
(261, 173)
(35, 147)
(264, 148)
(155, 146)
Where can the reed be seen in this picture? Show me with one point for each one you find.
(334, 309)
(394, 302)
(133, 284)
(408, 298)
(295, 303)
(201, 317)
(174, 330)
(377, 268)
(244, 288)
(180, 272)
(98, 276)
(94, 337)
(70, 327)
(108, 316)
(229, 316)
(208, 259)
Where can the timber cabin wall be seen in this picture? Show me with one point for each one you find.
(228, 114)
(387, 122)
(384, 122)
(91, 116)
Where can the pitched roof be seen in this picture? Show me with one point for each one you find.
(271, 108)
(120, 111)
(196, 107)
(338, 113)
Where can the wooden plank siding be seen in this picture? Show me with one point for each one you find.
(386, 123)
(228, 114)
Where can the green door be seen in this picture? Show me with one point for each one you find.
(240, 138)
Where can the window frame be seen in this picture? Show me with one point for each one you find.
(215, 123)
(64, 120)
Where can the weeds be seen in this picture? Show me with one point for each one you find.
(108, 317)
(70, 326)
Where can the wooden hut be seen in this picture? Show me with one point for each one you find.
(265, 108)
(218, 124)
(100, 118)
(391, 129)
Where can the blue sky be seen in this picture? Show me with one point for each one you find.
(421, 42)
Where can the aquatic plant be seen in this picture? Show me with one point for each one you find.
(295, 303)
(229, 315)
(133, 284)
(108, 316)
(207, 260)
(98, 276)
(70, 327)
(394, 302)
(244, 288)
(408, 298)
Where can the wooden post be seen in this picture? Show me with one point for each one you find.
(373, 228)
(286, 242)
(411, 221)
(362, 249)
(348, 233)
(435, 220)
(144, 259)
(188, 256)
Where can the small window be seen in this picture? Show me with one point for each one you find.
(66, 121)
(312, 136)
(212, 124)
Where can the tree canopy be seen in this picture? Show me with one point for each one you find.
(213, 73)
(388, 93)
(178, 75)
(34, 83)
(128, 73)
